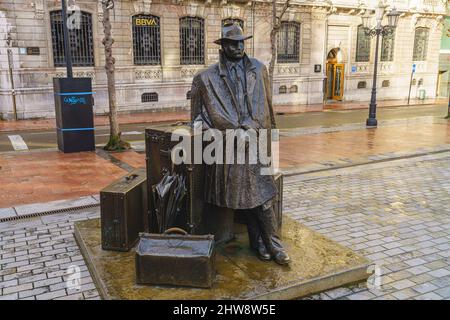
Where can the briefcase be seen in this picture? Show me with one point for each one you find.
(123, 210)
(175, 258)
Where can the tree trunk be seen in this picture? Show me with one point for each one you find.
(273, 43)
(276, 25)
(115, 142)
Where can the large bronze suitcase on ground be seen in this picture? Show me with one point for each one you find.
(175, 259)
(123, 206)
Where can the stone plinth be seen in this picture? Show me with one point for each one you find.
(317, 264)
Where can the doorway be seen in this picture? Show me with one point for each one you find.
(335, 75)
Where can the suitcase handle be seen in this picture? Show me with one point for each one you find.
(176, 231)
(131, 177)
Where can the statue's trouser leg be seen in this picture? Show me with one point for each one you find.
(252, 228)
(269, 233)
(254, 234)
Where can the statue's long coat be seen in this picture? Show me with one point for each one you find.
(237, 186)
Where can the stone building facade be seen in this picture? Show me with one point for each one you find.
(319, 50)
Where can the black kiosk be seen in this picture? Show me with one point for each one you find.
(73, 104)
(74, 114)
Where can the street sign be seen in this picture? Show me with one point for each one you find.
(414, 68)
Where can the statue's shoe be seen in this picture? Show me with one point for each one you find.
(262, 252)
(281, 257)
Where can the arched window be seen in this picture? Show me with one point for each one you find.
(387, 47)
(420, 44)
(282, 90)
(233, 20)
(293, 89)
(362, 45)
(149, 97)
(146, 40)
(80, 40)
(288, 42)
(192, 40)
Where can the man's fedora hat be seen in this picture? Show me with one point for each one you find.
(232, 31)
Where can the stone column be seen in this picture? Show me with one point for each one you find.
(318, 51)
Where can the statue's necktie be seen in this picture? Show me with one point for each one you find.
(239, 89)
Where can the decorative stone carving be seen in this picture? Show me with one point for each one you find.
(386, 67)
(152, 74)
(195, 10)
(288, 70)
(189, 72)
(142, 6)
(100, 11)
(38, 6)
(232, 11)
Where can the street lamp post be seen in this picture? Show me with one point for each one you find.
(378, 30)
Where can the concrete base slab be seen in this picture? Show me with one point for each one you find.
(318, 264)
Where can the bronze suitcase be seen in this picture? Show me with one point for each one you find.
(175, 258)
(123, 207)
(158, 147)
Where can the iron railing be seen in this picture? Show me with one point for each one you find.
(192, 40)
(146, 40)
(80, 40)
(289, 42)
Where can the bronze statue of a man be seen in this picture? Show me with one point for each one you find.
(235, 94)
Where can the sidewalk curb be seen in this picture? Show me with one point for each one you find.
(48, 208)
(61, 206)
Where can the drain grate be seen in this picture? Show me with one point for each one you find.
(50, 212)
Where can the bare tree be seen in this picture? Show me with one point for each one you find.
(276, 26)
(115, 142)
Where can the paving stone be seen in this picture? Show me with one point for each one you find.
(405, 294)
(362, 295)
(429, 296)
(33, 292)
(444, 292)
(425, 287)
(51, 295)
(439, 273)
(402, 284)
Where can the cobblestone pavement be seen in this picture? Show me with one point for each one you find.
(37, 255)
(393, 212)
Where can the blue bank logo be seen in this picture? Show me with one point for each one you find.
(73, 100)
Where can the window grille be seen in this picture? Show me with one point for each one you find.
(192, 40)
(149, 97)
(293, 89)
(233, 20)
(146, 40)
(420, 44)
(387, 47)
(282, 90)
(188, 95)
(362, 45)
(362, 85)
(288, 42)
(80, 41)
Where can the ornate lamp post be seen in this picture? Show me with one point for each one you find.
(378, 30)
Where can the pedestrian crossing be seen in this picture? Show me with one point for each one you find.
(17, 142)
